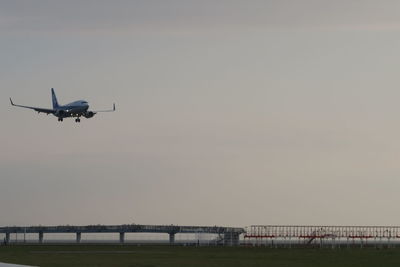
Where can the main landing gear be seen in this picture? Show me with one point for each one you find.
(76, 120)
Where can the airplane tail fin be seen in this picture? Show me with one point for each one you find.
(54, 99)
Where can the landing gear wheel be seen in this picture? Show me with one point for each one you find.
(78, 120)
(60, 119)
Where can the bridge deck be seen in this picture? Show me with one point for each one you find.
(128, 228)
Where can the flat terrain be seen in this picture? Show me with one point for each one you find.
(165, 256)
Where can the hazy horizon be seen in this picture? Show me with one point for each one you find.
(228, 112)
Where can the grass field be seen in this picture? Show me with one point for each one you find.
(165, 256)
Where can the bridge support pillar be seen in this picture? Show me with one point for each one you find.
(171, 238)
(78, 237)
(7, 238)
(40, 237)
(122, 237)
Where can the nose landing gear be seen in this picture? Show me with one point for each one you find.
(77, 120)
(60, 119)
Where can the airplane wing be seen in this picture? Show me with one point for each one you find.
(43, 110)
(110, 110)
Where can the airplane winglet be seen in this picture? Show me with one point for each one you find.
(11, 102)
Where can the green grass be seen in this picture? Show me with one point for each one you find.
(165, 256)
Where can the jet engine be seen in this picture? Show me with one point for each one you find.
(60, 113)
(89, 114)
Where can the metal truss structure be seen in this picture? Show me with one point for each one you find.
(260, 234)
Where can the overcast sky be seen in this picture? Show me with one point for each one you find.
(228, 112)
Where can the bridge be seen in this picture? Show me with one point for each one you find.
(228, 235)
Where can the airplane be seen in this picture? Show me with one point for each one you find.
(76, 109)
